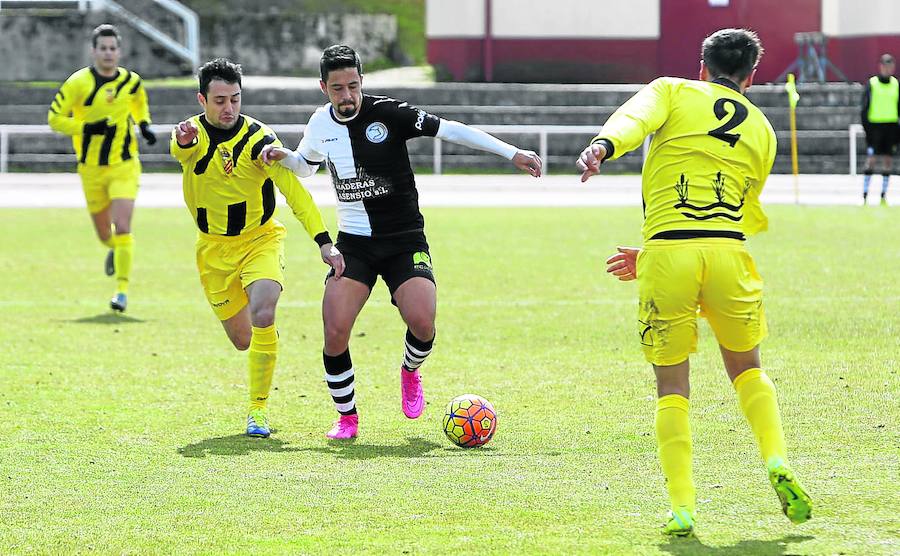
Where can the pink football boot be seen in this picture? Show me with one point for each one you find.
(413, 400)
(344, 428)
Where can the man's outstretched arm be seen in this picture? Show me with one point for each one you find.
(462, 134)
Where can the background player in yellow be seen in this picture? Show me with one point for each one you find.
(98, 107)
(709, 159)
(230, 194)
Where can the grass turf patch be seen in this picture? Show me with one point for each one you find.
(123, 434)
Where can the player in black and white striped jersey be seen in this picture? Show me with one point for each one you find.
(362, 139)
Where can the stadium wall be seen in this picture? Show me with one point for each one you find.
(43, 45)
(627, 41)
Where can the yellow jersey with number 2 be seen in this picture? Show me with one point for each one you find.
(711, 153)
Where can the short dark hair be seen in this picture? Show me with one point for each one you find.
(338, 56)
(886, 59)
(732, 53)
(222, 69)
(105, 30)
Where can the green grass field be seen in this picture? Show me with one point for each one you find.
(123, 434)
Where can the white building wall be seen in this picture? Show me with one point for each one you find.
(576, 19)
(454, 18)
(847, 18)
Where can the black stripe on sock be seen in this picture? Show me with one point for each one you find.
(337, 364)
(343, 399)
(340, 383)
(417, 343)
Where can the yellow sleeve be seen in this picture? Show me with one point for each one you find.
(641, 115)
(140, 107)
(755, 220)
(60, 114)
(182, 154)
(299, 199)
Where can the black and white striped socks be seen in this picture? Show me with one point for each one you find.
(339, 377)
(415, 351)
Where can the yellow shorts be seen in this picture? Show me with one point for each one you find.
(104, 183)
(228, 264)
(681, 279)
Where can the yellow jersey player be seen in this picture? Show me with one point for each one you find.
(230, 194)
(711, 153)
(98, 107)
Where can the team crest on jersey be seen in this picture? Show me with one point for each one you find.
(110, 95)
(227, 161)
(376, 132)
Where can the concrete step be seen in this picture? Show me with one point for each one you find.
(836, 118)
(468, 94)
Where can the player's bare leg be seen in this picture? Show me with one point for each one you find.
(343, 300)
(887, 169)
(120, 212)
(673, 436)
(868, 170)
(103, 226)
(759, 402)
(417, 301)
(253, 329)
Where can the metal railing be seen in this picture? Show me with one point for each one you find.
(189, 49)
(853, 131)
(543, 132)
(82, 4)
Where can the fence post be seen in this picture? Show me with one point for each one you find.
(4, 151)
(542, 139)
(852, 132)
(437, 157)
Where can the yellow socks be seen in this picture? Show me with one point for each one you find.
(760, 405)
(123, 251)
(673, 436)
(263, 352)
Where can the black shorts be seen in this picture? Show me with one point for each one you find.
(396, 259)
(882, 138)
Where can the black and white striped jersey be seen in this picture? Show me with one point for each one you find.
(369, 164)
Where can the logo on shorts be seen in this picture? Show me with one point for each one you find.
(227, 161)
(376, 132)
(422, 260)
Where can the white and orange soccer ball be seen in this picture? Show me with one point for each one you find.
(470, 421)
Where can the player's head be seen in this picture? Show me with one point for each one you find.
(341, 73)
(731, 54)
(105, 43)
(886, 65)
(220, 92)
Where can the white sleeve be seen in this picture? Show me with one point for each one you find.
(462, 134)
(296, 163)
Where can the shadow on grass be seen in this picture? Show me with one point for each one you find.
(106, 318)
(241, 444)
(691, 546)
(234, 445)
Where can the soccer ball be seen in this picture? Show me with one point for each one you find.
(470, 421)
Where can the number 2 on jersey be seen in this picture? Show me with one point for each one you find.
(738, 115)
